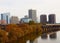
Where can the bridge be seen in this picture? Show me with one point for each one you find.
(51, 27)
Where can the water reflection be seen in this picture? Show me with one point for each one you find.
(52, 38)
(44, 36)
(47, 38)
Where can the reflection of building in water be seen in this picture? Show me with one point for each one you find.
(53, 36)
(44, 36)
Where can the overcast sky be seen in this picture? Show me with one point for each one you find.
(20, 7)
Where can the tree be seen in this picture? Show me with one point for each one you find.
(31, 22)
(3, 36)
(15, 34)
(10, 26)
(26, 28)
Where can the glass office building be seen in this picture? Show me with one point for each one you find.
(25, 20)
(5, 18)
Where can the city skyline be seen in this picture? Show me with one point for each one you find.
(20, 7)
(32, 15)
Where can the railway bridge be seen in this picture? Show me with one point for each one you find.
(50, 27)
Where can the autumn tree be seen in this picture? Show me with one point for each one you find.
(26, 28)
(3, 36)
(15, 34)
(10, 26)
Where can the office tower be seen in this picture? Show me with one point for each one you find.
(14, 20)
(43, 18)
(32, 15)
(5, 19)
(52, 18)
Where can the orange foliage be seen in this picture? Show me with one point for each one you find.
(3, 36)
(26, 28)
(17, 31)
(10, 26)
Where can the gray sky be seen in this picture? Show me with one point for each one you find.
(20, 7)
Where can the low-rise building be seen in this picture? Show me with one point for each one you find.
(25, 20)
(14, 20)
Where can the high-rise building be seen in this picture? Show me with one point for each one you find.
(43, 18)
(52, 18)
(5, 19)
(32, 15)
(14, 20)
